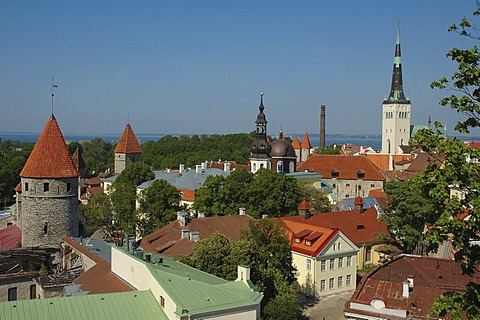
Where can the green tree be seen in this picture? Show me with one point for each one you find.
(273, 194)
(458, 170)
(317, 200)
(410, 211)
(97, 154)
(331, 149)
(135, 174)
(99, 214)
(210, 198)
(158, 205)
(237, 190)
(284, 306)
(123, 197)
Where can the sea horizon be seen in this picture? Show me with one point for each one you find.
(374, 141)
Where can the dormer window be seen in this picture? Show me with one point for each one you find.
(308, 243)
(360, 227)
(298, 240)
(335, 173)
(360, 174)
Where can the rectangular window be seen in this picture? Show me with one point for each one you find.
(297, 240)
(323, 265)
(349, 280)
(46, 187)
(26, 186)
(308, 243)
(45, 228)
(331, 283)
(347, 185)
(69, 186)
(322, 285)
(334, 247)
(162, 301)
(12, 294)
(372, 186)
(33, 291)
(309, 264)
(349, 261)
(340, 282)
(340, 262)
(339, 246)
(332, 264)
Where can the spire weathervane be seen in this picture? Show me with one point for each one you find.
(53, 87)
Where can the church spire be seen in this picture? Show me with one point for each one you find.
(396, 92)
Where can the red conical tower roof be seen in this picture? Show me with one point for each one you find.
(304, 204)
(78, 159)
(358, 200)
(306, 142)
(128, 143)
(50, 157)
(296, 144)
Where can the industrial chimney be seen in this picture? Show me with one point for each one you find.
(322, 126)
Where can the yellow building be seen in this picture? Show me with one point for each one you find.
(325, 259)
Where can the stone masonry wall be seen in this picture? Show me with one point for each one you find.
(22, 284)
(54, 211)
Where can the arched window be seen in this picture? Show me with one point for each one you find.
(254, 167)
(279, 166)
(292, 166)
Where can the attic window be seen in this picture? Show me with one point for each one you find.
(360, 227)
(360, 174)
(335, 173)
(46, 187)
(308, 243)
(297, 240)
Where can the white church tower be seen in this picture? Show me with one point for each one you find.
(396, 110)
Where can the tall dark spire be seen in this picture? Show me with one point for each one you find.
(260, 147)
(396, 92)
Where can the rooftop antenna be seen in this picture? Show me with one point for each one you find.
(53, 94)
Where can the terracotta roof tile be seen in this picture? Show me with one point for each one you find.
(10, 237)
(348, 222)
(99, 278)
(296, 143)
(306, 142)
(423, 160)
(347, 166)
(382, 160)
(432, 277)
(128, 142)
(318, 236)
(168, 238)
(18, 188)
(78, 159)
(50, 157)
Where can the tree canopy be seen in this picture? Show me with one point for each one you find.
(459, 171)
(264, 193)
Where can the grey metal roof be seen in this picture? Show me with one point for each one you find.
(98, 247)
(347, 204)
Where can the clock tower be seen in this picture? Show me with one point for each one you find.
(260, 149)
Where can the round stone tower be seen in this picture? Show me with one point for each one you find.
(49, 182)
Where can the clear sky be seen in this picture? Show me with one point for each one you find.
(197, 66)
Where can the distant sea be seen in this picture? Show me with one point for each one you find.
(374, 141)
(338, 139)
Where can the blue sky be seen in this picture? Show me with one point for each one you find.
(197, 66)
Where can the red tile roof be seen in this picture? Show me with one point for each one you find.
(99, 278)
(296, 143)
(10, 237)
(348, 222)
(128, 142)
(318, 236)
(423, 160)
(306, 142)
(347, 167)
(188, 195)
(78, 159)
(167, 240)
(18, 188)
(432, 277)
(382, 160)
(304, 204)
(50, 157)
(358, 200)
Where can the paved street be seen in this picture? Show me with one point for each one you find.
(329, 308)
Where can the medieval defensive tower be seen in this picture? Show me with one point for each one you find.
(128, 150)
(49, 182)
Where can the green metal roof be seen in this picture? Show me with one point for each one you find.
(110, 306)
(196, 292)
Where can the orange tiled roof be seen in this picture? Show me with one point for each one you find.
(318, 236)
(306, 142)
(18, 188)
(382, 160)
(296, 143)
(128, 143)
(358, 227)
(78, 159)
(50, 157)
(347, 167)
(188, 195)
